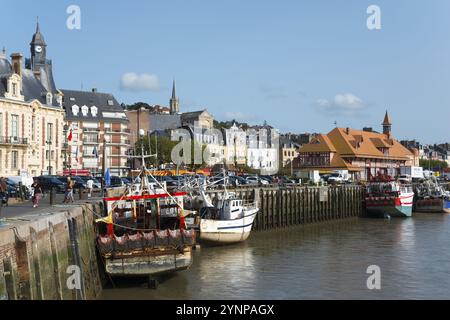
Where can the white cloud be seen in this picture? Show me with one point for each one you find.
(132, 81)
(346, 104)
(238, 116)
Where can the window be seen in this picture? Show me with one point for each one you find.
(84, 110)
(14, 89)
(33, 126)
(49, 98)
(49, 131)
(94, 111)
(1, 125)
(75, 110)
(14, 159)
(14, 126)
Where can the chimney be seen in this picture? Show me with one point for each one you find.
(16, 59)
(347, 130)
(94, 90)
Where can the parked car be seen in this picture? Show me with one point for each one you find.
(116, 182)
(255, 180)
(79, 183)
(97, 183)
(49, 182)
(269, 179)
(237, 181)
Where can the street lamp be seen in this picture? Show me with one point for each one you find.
(49, 143)
(65, 129)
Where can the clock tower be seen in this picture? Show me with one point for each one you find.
(38, 50)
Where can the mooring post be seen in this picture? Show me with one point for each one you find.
(52, 196)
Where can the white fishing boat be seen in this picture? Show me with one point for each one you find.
(227, 219)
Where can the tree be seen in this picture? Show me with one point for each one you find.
(435, 165)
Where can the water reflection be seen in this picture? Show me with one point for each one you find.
(323, 261)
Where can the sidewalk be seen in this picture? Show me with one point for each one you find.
(26, 208)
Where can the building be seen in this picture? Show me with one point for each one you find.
(235, 140)
(158, 119)
(200, 118)
(31, 114)
(363, 153)
(263, 149)
(288, 150)
(96, 120)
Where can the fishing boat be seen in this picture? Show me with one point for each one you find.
(430, 197)
(143, 232)
(224, 220)
(386, 197)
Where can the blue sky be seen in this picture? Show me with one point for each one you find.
(300, 65)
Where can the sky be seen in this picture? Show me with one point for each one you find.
(301, 65)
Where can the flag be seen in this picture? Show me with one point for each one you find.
(70, 135)
(95, 152)
(107, 177)
(76, 155)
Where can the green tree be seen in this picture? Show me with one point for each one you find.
(435, 165)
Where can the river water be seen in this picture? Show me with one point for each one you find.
(321, 261)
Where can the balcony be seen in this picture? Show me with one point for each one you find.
(90, 140)
(16, 141)
(119, 131)
(123, 142)
(91, 129)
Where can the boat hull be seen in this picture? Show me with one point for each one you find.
(393, 206)
(149, 264)
(432, 206)
(227, 231)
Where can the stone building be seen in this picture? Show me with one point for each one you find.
(31, 114)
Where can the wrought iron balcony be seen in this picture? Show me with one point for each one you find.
(13, 140)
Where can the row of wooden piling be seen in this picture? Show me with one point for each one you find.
(281, 208)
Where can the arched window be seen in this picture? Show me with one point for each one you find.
(49, 98)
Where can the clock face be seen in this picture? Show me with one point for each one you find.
(38, 49)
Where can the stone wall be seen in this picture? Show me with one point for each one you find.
(40, 254)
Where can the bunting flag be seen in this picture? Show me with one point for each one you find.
(70, 135)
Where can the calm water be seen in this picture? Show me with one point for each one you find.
(324, 261)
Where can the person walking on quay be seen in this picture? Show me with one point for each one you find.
(37, 193)
(68, 197)
(89, 186)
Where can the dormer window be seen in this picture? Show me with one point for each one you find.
(75, 110)
(110, 103)
(94, 111)
(84, 110)
(14, 87)
(49, 98)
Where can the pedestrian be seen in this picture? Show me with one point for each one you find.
(37, 192)
(89, 186)
(3, 192)
(68, 196)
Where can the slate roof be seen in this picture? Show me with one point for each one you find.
(32, 88)
(160, 122)
(105, 103)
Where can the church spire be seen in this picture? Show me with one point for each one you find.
(387, 125)
(174, 103)
(37, 25)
